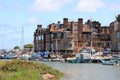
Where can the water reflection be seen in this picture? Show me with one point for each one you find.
(87, 71)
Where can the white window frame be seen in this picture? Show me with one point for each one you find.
(118, 46)
(118, 34)
(75, 28)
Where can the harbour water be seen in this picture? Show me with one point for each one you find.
(87, 71)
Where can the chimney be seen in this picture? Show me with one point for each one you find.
(99, 28)
(65, 22)
(58, 22)
(39, 26)
(52, 27)
(80, 27)
(72, 26)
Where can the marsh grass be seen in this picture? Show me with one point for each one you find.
(26, 70)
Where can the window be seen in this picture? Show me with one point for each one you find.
(55, 35)
(42, 37)
(36, 37)
(95, 30)
(65, 35)
(58, 35)
(75, 28)
(102, 37)
(70, 45)
(61, 26)
(118, 34)
(57, 26)
(103, 30)
(39, 37)
(107, 43)
(51, 36)
(118, 46)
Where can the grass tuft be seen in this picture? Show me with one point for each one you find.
(26, 70)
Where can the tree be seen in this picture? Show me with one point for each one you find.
(29, 46)
(17, 47)
(118, 18)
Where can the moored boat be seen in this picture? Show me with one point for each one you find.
(71, 60)
(109, 62)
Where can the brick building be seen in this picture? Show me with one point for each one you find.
(71, 36)
(115, 34)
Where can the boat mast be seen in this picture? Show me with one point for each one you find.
(91, 36)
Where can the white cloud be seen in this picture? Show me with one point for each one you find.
(115, 7)
(89, 5)
(32, 20)
(48, 5)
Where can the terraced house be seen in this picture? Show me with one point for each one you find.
(71, 36)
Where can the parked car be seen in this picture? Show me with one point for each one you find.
(116, 57)
(1, 56)
(24, 56)
(57, 59)
(9, 56)
(106, 51)
(35, 56)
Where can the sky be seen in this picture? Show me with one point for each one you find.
(15, 14)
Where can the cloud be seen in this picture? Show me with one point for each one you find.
(89, 5)
(48, 5)
(115, 7)
(32, 20)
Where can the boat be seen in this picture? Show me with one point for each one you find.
(71, 60)
(109, 62)
(57, 59)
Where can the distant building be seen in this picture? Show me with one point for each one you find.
(71, 36)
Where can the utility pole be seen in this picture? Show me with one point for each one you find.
(22, 38)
